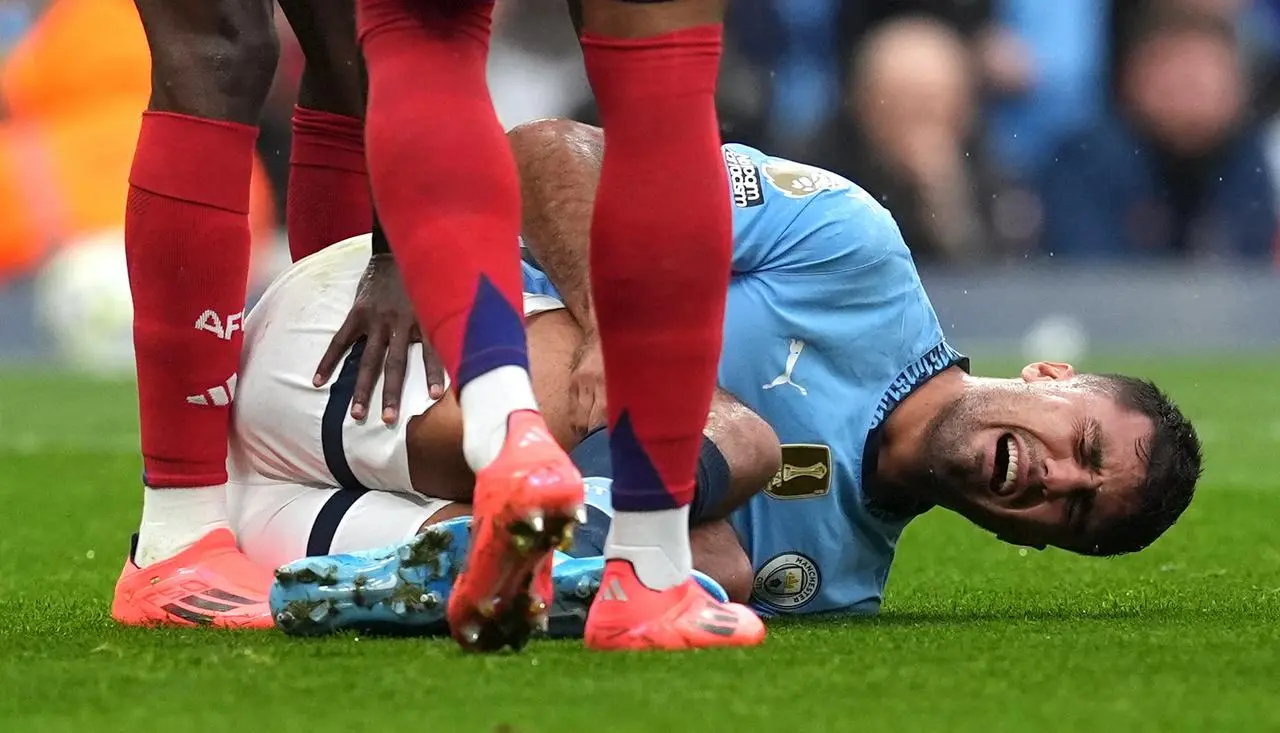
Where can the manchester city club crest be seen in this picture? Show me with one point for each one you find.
(786, 582)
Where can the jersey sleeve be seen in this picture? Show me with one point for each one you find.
(829, 265)
(796, 220)
(841, 252)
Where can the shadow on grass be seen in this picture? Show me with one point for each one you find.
(1050, 615)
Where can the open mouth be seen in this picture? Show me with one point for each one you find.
(1004, 471)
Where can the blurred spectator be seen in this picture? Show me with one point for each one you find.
(974, 21)
(1001, 62)
(1257, 24)
(1062, 46)
(908, 137)
(784, 53)
(1177, 170)
(74, 89)
(1127, 21)
(792, 57)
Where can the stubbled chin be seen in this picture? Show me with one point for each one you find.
(959, 482)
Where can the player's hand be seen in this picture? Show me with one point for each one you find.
(383, 315)
(586, 386)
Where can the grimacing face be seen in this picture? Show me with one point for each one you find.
(1047, 459)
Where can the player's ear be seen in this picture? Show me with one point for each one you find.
(1047, 371)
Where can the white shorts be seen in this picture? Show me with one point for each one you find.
(304, 477)
(282, 522)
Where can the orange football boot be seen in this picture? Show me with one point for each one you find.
(629, 616)
(211, 583)
(525, 506)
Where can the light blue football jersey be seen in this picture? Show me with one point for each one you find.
(827, 329)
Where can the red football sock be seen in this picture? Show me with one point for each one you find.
(660, 256)
(444, 180)
(328, 199)
(187, 243)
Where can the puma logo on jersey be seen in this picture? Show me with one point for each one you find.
(219, 396)
(222, 328)
(793, 356)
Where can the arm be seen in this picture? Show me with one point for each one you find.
(750, 450)
(747, 446)
(739, 457)
(717, 552)
(334, 81)
(559, 164)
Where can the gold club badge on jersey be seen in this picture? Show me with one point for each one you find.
(797, 180)
(805, 472)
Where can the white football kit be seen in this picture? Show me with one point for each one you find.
(305, 478)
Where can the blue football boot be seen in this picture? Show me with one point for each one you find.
(404, 589)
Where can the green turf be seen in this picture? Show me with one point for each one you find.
(975, 635)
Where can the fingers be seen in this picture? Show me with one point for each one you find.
(393, 373)
(338, 346)
(435, 371)
(375, 353)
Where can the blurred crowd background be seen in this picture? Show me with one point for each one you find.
(997, 131)
(993, 129)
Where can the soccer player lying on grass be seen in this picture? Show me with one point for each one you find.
(829, 337)
(308, 479)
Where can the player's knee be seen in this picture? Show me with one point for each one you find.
(645, 18)
(214, 58)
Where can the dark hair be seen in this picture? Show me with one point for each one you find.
(1173, 456)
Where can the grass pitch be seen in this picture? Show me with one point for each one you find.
(975, 635)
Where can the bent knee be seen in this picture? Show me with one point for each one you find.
(213, 59)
